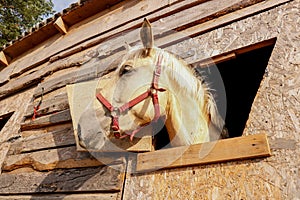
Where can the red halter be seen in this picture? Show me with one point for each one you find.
(115, 112)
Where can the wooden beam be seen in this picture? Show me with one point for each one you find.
(48, 120)
(4, 59)
(48, 106)
(61, 26)
(233, 54)
(215, 60)
(245, 147)
(62, 158)
(95, 179)
(93, 196)
(60, 137)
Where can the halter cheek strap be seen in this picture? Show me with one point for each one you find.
(115, 112)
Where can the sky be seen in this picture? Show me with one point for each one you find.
(59, 5)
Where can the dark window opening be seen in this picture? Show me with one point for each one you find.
(4, 119)
(242, 77)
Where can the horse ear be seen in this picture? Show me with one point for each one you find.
(147, 36)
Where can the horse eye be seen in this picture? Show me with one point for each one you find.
(125, 69)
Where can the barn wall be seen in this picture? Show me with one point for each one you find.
(39, 156)
(275, 111)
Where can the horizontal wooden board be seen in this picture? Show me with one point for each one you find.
(96, 179)
(94, 196)
(245, 147)
(36, 76)
(51, 159)
(60, 137)
(33, 133)
(48, 106)
(48, 120)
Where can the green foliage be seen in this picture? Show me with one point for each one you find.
(17, 16)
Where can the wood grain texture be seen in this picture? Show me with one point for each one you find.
(60, 158)
(60, 137)
(11, 128)
(61, 26)
(100, 179)
(48, 106)
(48, 120)
(33, 133)
(37, 75)
(93, 196)
(239, 148)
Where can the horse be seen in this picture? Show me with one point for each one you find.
(150, 84)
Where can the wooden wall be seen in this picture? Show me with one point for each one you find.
(39, 156)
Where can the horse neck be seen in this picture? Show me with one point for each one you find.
(187, 121)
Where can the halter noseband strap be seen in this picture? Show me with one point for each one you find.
(117, 111)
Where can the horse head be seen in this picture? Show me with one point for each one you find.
(150, 83)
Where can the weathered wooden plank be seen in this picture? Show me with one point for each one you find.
(31, 40)
(27, 80)
(63, 136)
(93, 70)
(51, 159)
(55, 104)
(61, 26)
(44, 130)
(99, 179)
(87, 9)
(52, 119)
(94, 196)
(244, 147)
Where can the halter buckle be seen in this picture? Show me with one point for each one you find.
(153, 91)
(115, 112)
